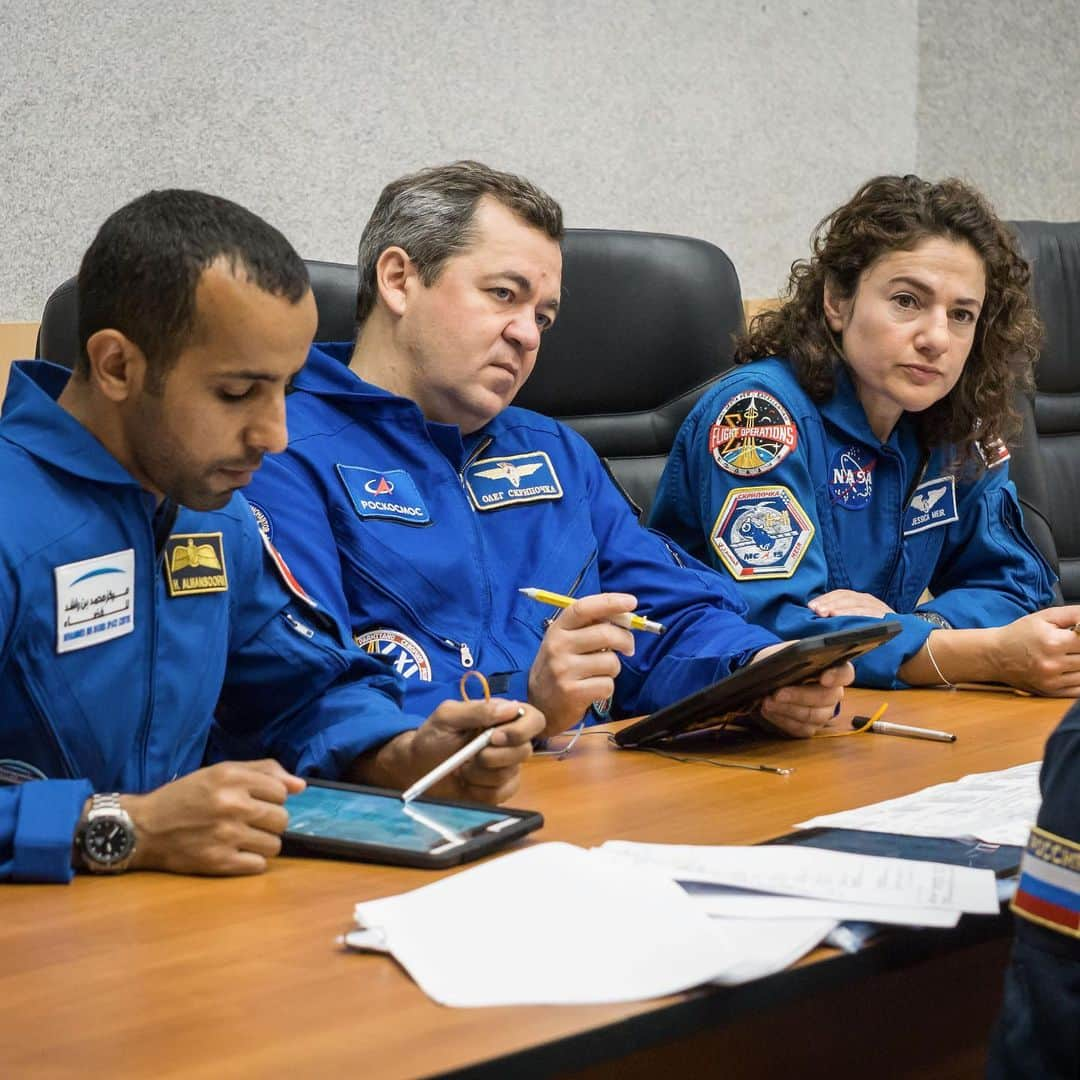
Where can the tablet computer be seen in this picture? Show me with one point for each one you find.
(348, 821)
(735, 697)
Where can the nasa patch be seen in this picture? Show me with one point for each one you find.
(752, 434)
(262, 519)
(496, 482)
(406, 657)
(391, 494)
(851, 477)
(761, 532)
(933, 504)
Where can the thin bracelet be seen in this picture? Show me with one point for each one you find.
(930, 657)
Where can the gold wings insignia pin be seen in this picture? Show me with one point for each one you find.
(193, 556)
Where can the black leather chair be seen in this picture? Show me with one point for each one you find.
(1046, 464)
(334, 285)
(646, 324)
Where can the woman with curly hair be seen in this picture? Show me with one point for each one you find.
(855, 464)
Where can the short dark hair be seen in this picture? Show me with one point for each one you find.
(140, 274)
(896, 213)
(430, 215)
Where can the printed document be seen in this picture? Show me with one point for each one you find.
(996, 807)
(556, 924)
(791, 870)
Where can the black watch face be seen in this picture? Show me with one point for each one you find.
(108, 841)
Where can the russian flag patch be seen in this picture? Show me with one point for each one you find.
(1049, 889)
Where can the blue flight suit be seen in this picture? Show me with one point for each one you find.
(113, 658)
(794, 499)
(421, 538)
(1038, 1032)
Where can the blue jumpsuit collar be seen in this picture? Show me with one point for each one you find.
(33, 420)
(845, 411)
(327, 374)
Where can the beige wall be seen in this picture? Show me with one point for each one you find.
(16, 343)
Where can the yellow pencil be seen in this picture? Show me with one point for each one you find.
(631, 622)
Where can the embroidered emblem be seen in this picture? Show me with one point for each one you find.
(390, 495)
(408, 659)
(752, 434)
(851, 477)
(761, 532)
(1049, 889)
(993, 454)
(933, 504)
(195, 563)
(262, 519)
(493, 483)
(286, 574)
(95, 600)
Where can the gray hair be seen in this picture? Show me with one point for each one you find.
(430, 214)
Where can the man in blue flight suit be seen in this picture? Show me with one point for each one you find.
(137, 589)
(1038, 1033)
(417, 503)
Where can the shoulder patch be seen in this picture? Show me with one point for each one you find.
(752, 434)
(1049, 888)
(761, 532)
(932, 504)
(286, 575)
(405, 655)
(390, 494)
(993, 453)
(494, 483)
(195, 564)
(262, 519)
(851, 477)
(95, 600)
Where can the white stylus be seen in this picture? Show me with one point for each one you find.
(459, 757)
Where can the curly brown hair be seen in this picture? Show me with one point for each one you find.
(896, 213)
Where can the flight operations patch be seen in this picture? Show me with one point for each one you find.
(195, 564)
(494, 483)
(761, 532)
(752, 434)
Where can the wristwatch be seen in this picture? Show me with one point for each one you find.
(106, 836)
(934, 619)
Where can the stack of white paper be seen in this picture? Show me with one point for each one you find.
(785, 881)
(555, 924)
(996, 807)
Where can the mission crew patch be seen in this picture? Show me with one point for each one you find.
(262, 519)
(494, 483)
(195, 564)
(752, 434)
(406, 656)
(389, 494)
(286, 575)
(761, 532)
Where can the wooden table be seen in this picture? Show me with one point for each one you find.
(151, 974)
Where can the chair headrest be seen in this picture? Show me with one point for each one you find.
(1053, 249)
